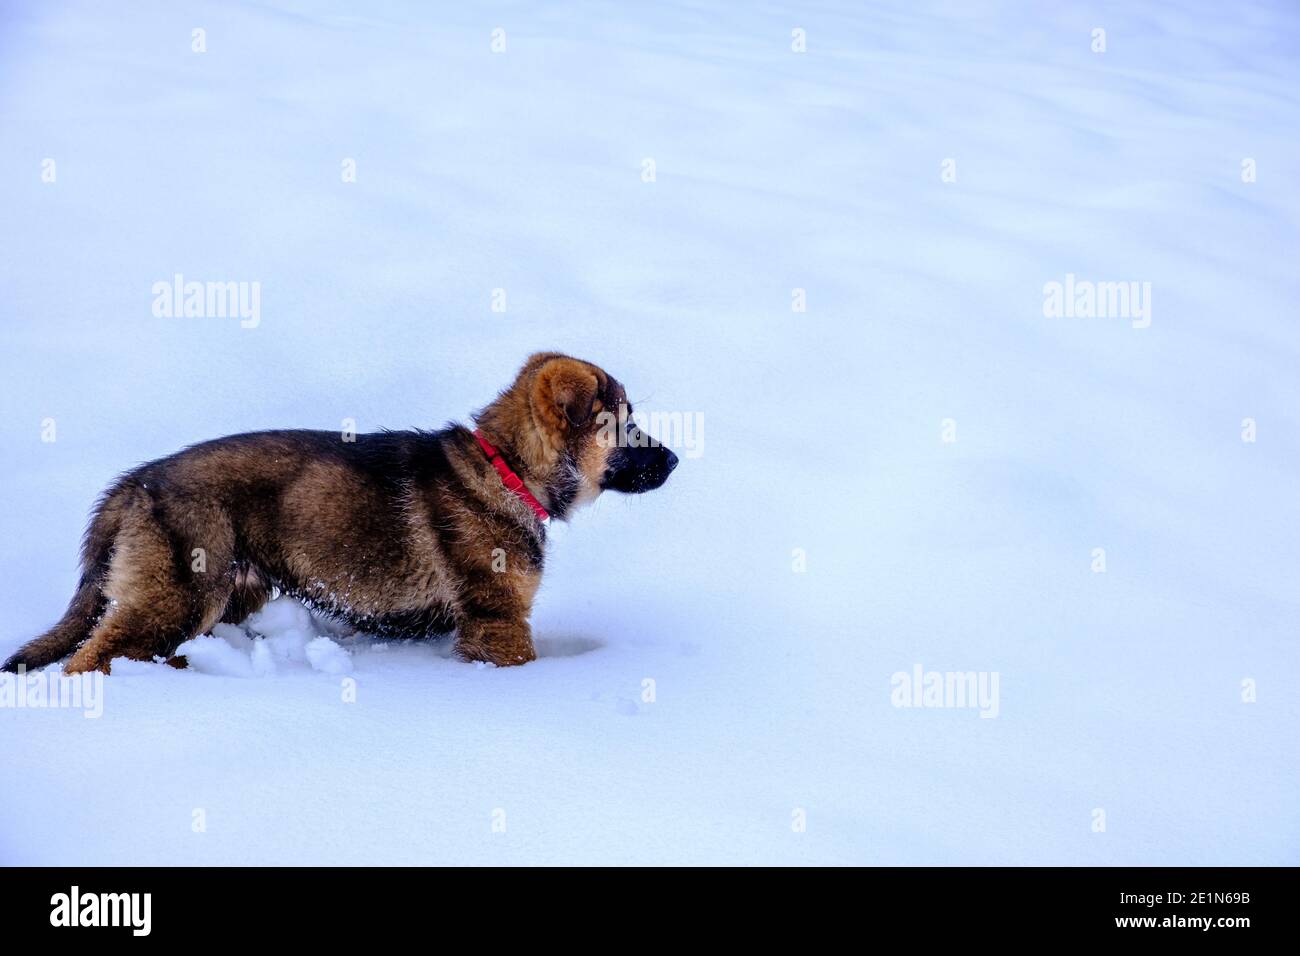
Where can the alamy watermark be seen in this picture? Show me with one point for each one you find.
(683, 432)
(946, 690)
(208, 300)
(50, 689)
(75, 908)
(1085, 299)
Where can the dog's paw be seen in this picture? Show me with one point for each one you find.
(85, 660)
(505, 645)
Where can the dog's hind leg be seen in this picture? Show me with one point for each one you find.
(143, 632)
(162, 587)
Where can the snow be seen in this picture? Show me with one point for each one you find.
(327, 657)
(696, 699)
(283, 633)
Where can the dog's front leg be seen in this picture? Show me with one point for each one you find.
(492, 619)
(500, 641)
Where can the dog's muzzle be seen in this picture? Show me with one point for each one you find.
(636, 469)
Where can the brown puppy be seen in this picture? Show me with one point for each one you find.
(404, 534)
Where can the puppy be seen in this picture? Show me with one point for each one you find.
(400, 534)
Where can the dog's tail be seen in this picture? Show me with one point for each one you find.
(88, 601)
(62, 639)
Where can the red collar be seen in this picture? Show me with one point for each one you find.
(510, 479)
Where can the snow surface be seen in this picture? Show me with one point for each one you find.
(522, 170)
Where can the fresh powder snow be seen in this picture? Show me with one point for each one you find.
(957, 568)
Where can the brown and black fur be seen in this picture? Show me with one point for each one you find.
(395, 533)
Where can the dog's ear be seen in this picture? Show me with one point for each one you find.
(564, 393)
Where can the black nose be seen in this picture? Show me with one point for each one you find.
(671, 461)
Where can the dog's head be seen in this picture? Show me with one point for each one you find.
(568, 426)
